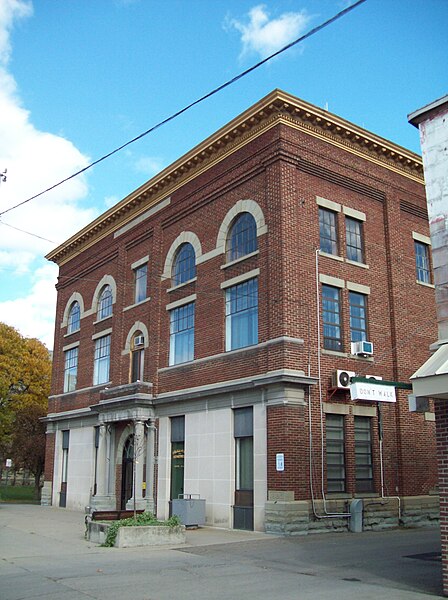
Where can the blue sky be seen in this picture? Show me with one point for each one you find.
(80, 77)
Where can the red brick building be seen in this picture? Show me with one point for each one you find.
(206, 325)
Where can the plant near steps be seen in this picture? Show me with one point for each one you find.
(145, 518)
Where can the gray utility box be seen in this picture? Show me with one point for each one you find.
(190, 509)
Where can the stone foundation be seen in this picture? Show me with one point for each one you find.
(297, 517)
(46, 492)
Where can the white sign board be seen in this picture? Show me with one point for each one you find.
(280, 462)
(8, 463)
(372, 392)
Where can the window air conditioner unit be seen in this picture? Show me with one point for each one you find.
(362, 348)
(341, 379)
(139, 340)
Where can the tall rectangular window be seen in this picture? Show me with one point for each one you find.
(328, 231)
(244, 468)
(177, 456)
(354, 241)
(182, 334)
(101, 360)
(70, 369)
(334, 432)
(422, 265)
(331, 317)
(64, 474)
(363, 455)
(242, 315)
(141, 279)
(358, 317)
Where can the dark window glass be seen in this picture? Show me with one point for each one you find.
(334, 431)
(331, 317)
(101, 360)
(105, 303)
(70, 369)
(182, 334)
(363, 455)
(242, 315)
(141, 277)
(242, 238)
(358, 317)
(328, 231)
(184, 267)
(74, 318)
(354, 242)
(422, 262)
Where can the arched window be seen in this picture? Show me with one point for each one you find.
(184, 267)
(74, 318)
(105, 303)
(242, 238)
(137, 356)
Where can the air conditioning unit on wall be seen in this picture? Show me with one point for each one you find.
(364, 348)
(139, 340)
(341, 379)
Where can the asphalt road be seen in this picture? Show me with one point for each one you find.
(44, 556)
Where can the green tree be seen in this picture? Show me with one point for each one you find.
(25, 374)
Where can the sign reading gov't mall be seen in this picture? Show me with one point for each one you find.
(372, 392)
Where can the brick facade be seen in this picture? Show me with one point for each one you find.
(279, 161)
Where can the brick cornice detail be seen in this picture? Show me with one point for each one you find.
(277, 107)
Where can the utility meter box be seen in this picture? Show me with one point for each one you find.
(190, 509)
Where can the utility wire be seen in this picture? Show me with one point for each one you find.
(27, 232)
(198, 101)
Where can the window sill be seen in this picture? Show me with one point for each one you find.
(332, 256)
(238, 260)
(363, 358)
(334, 353)
(137, 304)
(181, 285)
(424, 284)
(356, 263)
(72, 333)
(102, 320)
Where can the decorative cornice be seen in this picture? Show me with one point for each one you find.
(276, 108)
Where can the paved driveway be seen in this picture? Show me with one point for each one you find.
(44, 556)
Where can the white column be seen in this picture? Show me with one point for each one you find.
(150, 445)
(139, 458)
(101, 462)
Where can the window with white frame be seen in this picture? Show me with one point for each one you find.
(101, 364)
(358, 316)
(354, 240)
(242, 314)
(331, 317)
(242, 237)
(70, 369)
(182, 334)
(184, 266)
(422, 265)
(74, 318)
(105, 303)
(328, 232)
(140, 282)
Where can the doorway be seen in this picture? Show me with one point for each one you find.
(127, 472)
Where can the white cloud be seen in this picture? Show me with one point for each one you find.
(149, 165)
(35, 160)
(33, 313)
(264, 36)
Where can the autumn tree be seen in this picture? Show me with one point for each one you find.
(25, 372)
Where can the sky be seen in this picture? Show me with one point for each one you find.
(79, 78)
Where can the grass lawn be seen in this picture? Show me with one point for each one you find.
(23, 494)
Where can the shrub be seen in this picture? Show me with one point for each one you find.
(145, 518)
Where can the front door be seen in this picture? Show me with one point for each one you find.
(127, 472)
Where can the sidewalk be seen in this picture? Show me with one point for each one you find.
(44, 555)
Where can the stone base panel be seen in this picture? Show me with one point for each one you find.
(299, 518)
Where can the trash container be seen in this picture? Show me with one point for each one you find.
(190, 509)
